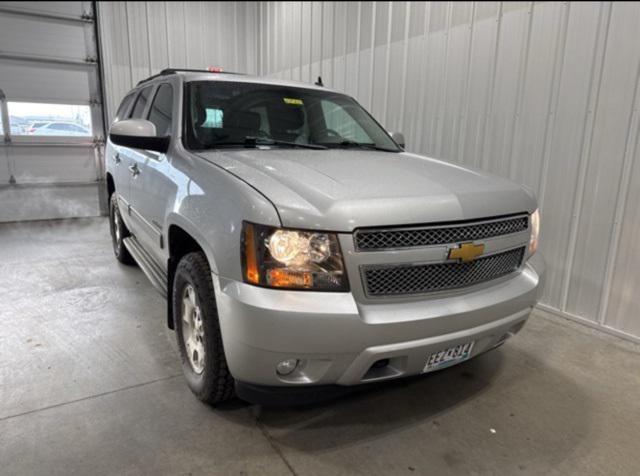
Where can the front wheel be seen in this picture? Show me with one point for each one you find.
(198, 331)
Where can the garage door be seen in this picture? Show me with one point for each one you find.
(52, 121)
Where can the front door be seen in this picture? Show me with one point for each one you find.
(151, 186)
(130, 165)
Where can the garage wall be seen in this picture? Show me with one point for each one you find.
(142, 38)
(544, 93)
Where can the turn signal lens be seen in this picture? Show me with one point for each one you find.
(251, 262)
(292, 259)
(535, 232)
(283, 278)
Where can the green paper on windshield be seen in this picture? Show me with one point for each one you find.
(213, 119)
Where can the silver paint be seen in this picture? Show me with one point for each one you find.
(338, 335)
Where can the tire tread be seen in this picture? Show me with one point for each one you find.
(217, 384)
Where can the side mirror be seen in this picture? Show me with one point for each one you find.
(138, 134)
(398, 137)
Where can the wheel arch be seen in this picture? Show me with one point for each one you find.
(182, 238)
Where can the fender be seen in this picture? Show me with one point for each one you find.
(174, 219)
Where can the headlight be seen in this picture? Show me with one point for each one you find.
(292, 259)
(535, 232)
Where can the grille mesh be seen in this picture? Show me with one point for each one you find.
(408, 279)
(375, 240)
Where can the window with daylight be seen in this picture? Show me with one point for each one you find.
(41, 119)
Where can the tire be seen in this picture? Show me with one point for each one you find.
(119, 232)
(198, 330)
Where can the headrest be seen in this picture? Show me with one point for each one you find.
(243, 120)
(283, 118)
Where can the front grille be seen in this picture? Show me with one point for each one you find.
(376, 240)
(418, 279)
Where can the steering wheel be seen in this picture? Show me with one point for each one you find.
(263, 134)
(332, 133)
(328, 134)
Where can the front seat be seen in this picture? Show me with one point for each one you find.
(285, 122)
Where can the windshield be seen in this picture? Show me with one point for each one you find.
(229, 114)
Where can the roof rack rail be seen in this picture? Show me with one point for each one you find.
(168, 71)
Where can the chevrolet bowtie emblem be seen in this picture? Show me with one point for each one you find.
(466, 252)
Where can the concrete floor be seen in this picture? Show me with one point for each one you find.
(90, 384)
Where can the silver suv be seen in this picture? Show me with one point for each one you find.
(300, 247)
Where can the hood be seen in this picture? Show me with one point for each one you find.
(340, 190)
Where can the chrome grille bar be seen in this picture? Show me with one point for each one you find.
(394, 280)
(379, 240)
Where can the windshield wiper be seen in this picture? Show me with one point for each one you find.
(216, 145)
(364, 145)
(253, 141)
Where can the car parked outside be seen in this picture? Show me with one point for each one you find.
(58, 128)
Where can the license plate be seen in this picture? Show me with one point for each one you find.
(447, 357)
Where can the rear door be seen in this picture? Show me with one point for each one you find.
(152, 187)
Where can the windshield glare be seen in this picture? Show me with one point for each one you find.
(222, 114)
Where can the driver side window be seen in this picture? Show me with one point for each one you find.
(161, 110)
(141, 103)
(339, 120)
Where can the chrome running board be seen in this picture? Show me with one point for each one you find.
(156, 275)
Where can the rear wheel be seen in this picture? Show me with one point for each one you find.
(198, 331)
(119, 232)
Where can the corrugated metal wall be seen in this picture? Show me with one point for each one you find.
(544, 93)
(141, 38)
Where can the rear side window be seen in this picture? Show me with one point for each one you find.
(160, 112)
(141, 103)
(124, 107)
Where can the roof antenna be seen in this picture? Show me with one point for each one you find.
(319, 82)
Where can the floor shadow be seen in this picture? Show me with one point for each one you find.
(542, 413)
(374, 410)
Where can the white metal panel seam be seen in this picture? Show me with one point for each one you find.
(483, 156)
(552, 107)
(585, 152)
(522, 81)
(621, 198)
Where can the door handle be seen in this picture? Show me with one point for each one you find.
(116, 158)
(134, 169)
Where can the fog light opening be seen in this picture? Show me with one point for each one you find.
(286, 367)
(380, 364)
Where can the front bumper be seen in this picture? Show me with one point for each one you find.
(338, 340)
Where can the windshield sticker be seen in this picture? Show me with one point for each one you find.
(293, 102)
